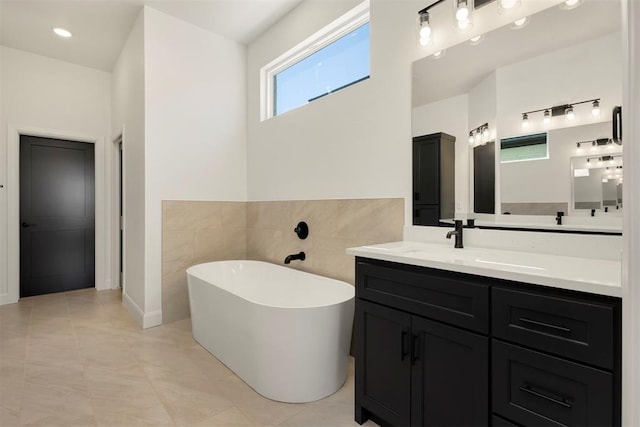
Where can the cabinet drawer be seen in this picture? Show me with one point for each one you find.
(435, 294)
(582, 331)
(535, 389)
(497, 421)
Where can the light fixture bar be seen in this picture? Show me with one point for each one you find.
(559, 110)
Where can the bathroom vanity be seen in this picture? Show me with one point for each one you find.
(449, 337)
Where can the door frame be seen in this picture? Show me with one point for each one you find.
(117, 175)
(102, 202)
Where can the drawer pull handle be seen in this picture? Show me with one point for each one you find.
(404, 352)
(545, 325)
(562, 402)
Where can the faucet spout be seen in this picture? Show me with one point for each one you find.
(458, 233)
(301, 256)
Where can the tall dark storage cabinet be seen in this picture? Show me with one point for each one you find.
(433, 178)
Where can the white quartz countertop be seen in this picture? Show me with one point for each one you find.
(598, 276)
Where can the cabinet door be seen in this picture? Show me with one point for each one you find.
(426, 171)
(382, 353)
(450, 376)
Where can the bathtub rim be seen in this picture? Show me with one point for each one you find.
(339, 301)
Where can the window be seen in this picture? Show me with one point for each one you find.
(332, 59)
(522, 148)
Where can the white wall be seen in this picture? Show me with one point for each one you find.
(195, 126)
(47, 97)
(350, 144)
(128, 111)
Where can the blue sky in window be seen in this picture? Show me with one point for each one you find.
(338, 64)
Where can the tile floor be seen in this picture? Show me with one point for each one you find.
(78, 359)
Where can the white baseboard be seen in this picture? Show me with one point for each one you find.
(103, 286)
(7, 299)
(145, 320)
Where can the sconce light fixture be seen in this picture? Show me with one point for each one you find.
(479, 135)
(425, 28)
(597, 143)
(567, 110)
(462, 13)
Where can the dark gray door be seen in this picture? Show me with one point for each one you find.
(57, 215)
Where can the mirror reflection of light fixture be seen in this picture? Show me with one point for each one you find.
(567, 110)
(505, 6)
(578, 147)
(570, 4)
(479, 135)
(595, 110)
(462, 14)
(525, 120)
(570, 113)
(439, 54)
(476, 40)
(424, 28)
(520, 23)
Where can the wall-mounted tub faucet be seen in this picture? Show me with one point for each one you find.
(457, 233)
(301, 256)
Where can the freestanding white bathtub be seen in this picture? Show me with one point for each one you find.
(285, 332)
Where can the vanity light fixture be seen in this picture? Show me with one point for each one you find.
(479, 135)
(462, 14)
(571, 115)
(588, 163)
(425, 28)
(568, 110)
(594, 145)
(595, 110)
(578, 147)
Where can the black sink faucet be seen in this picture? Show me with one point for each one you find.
(301, 256)
(457, 233)
(559, 216)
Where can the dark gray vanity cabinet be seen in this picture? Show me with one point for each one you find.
(433, 178)
(440, 348)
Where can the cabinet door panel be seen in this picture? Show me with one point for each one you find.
(426, 171)
(383, 377)
(536, 389)
(449, 376)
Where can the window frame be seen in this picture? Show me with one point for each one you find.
(340, 27)
(524, 143)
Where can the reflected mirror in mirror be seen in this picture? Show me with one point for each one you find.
(561, 57)
(597, 183)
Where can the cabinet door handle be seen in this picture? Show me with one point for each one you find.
(404, 352)
(415, 349)
(563, 402)
(545, 325)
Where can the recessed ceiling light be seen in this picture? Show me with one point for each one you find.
(62, 32)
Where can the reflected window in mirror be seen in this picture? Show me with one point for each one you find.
(524, 148)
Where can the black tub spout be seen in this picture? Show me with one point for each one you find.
(301, 256)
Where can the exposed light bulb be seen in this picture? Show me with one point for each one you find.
(595, 111)
(62, 32)
(578, 148)
(478, 136)
(471, 138)
(594, 145)
(547, 119)
(462, 13)
(588, 163)
(525, 121)
(485, 133)
(569, 113)
(425, 29)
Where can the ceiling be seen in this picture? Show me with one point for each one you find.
(100, 27)
(549, 30)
